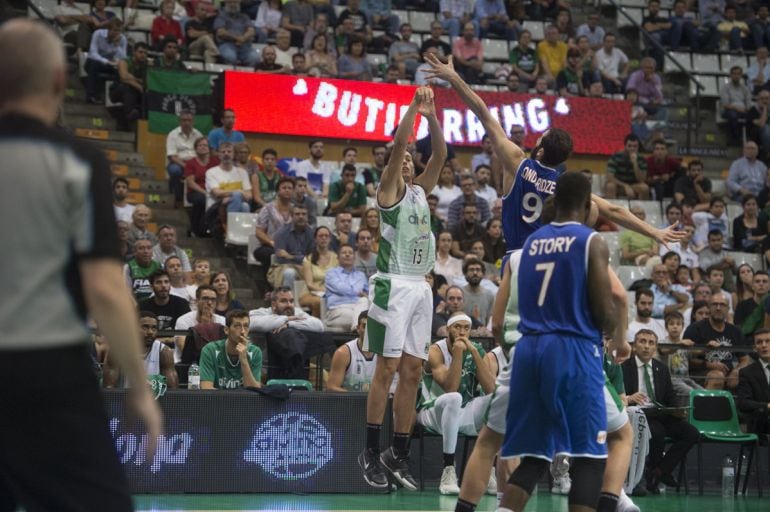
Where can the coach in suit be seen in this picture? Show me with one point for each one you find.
(648, 382)
(754, 386)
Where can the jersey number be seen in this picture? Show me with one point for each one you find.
(417, 257)
(548, 269)
(533, 204)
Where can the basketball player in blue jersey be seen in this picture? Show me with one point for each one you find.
(527, 182)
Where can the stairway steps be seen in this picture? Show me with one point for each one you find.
(94, 122)
(133, 171)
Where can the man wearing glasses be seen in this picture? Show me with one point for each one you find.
(667, 297)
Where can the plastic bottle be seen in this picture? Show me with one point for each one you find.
(194, 377)
(728, 477)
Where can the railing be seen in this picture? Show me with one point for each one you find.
(666, 54)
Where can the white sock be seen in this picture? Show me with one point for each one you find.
(499, 498)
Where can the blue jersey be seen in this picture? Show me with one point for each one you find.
(523, 204)
(553, 287)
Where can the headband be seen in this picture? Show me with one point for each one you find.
(459, 318)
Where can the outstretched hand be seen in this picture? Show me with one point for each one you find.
(440, 70)
(669, 234)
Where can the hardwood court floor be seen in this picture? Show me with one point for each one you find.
(428, 501)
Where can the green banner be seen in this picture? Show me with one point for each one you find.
(170, 92)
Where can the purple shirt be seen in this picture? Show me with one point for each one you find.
(648, 90)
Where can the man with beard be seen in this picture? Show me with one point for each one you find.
(234, 34)
(138, 270)
(268, 64)
(166, 307)
(468, 197)
(456, 391)
(478, 300)
(483, 175)
(225, 133)
(466, 232)
(158, 359)
(206, 324)
(292, 243)
(123, 210)
(644, 320)
(316, 172)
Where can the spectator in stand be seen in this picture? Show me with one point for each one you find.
(747, 174)
(446, 264)
(706, 222)
(540, 10)
(455, 302)
(563, 22)
(126, 250)
(667, 297)
(465, 232)
(571, 81)
(274, 216)
(494, 245)
(292, 335)
(478, 300)
(195, 178)
(371, 221)
(206, 324)
(513, 82)
(108, 47)
(750, 229)
(436, 224)
(343, 231)
(178, 279)
(673, 217)
(87, 20)
(140, 225)
(694, 187)
(735, 32)
(485, 156)
(753, 393)
(636, 249)
(164, 25)
(758, 73)
(626, 172)
(226, 300)
(648, 85)
(442, 47)
(456, 208)
(201, 276)
(316, 172)
(283, 49)
(656, 27)
(320, 60)
(227, 186)
(717, 366)
(320, 25)
(421, 76)
(405, 53)
(234, 34)
(552, 54)
(168, 60)
(714, 254)
(166, 247)
(165, 306)
(711, 12)
(735, 98)
(298, 64)
(760, 26)
(297, 17)
(592, 30)
(303, 199)
(662, 171)
(347, 292)
(483, 174)
(643, 300)
(757, 126)
(612, 63)
(268, 20)
(750, 312)
(132, 73)
(264, 182)
(347, 195)
(234, 362)
(587, 61)
(492, 18)
(524, 59)
(353, 64)
(468, 55)
(380, 16)
(672, 261)
(292, 243)
(366, 258)
(225, 133)
(180, 148)
(268, 64)
(138, 270)
(314, 269)
(200, 34)
(685, 25)
(123, 210)
(446, 191)
(456, 14)
(743, 285)
(360, 24)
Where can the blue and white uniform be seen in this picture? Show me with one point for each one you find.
(556, 378)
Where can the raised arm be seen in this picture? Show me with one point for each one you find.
(625, 218)
(429, 178)
(509, 154)
(392, 181)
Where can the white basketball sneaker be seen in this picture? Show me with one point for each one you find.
(625, 504)
(448, 483)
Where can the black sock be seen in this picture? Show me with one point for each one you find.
(449, 459)
(401, 445)
(608, 502)
(464, 506)
(373, 437)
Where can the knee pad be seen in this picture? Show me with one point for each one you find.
(529, 472)
(587, 475)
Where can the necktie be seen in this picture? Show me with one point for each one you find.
(767, 372)
(648, 383)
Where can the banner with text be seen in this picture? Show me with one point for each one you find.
(346, 109)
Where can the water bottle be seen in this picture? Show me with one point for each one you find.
(728, 477)
(194, 377)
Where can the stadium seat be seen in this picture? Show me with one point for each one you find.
(630, 273)
(239, 227)
(193, 64)
(623, 203)
(421, 21)
(633, 3)
(706, 63)
(729, 60)
(635, 13)
(327, 222)
(718, 187)
(253, 244)
(143, 19)
(651, 211)
(218, 68)
(537, 28)
(376, 60)
(710, 86)
(403, 16)
(48, 8)
(757, 261)
(495, 49)
(138, 36)
(683, 58)
(612, 239)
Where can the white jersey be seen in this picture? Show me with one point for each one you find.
(151, 361)
(360, 370)
(502, 359)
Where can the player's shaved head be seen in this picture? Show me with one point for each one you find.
(573, 193)
(33, 63)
